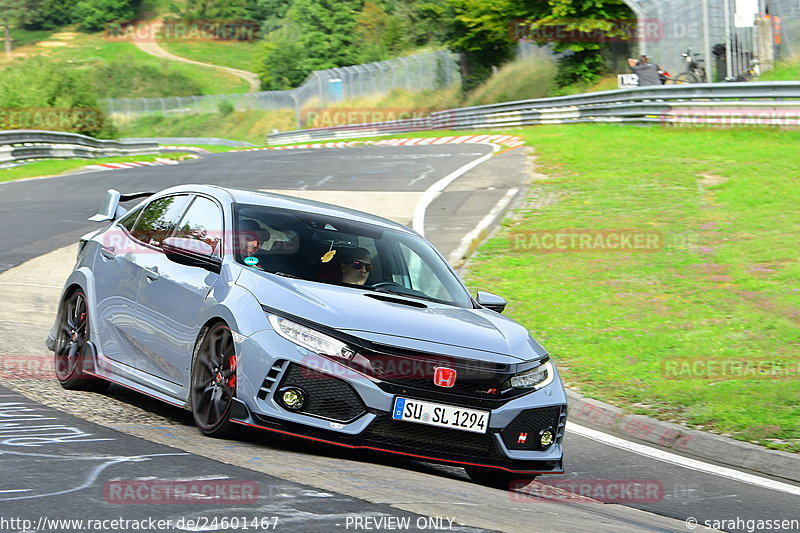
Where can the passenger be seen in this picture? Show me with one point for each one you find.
(355, 264)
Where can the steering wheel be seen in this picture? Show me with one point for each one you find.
(386, 284)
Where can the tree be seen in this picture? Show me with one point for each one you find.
(479, 31)
(327, 32)
(598, 20)
(93, 15)
(10, 10)
(371, 27)
(47, 14)
(280, 60)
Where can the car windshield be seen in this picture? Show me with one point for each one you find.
(339, 251)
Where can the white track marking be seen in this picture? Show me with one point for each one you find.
(466, 241)
(430, 194)
(680, 460)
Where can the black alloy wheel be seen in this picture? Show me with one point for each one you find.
(71, 346)
(214, 381)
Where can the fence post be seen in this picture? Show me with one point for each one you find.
(707, 41)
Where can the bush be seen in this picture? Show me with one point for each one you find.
(124, 77)
(34, 86)
(93, 15)
(225, 108)
(47, 14)
(584, 67)
(522, 79)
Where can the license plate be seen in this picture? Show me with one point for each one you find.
(437, 414)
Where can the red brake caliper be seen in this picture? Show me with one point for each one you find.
(232, 378)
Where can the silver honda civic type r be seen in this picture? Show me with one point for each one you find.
(307, 319)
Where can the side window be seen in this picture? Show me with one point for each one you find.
(203, 222)
(158, 219)
(129, 219)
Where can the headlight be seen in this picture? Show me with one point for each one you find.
(311, 339)
(535, 378)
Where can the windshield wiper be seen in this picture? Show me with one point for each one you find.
(402, 291)
(285, 275)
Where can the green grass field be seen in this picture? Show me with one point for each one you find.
(54, 167)
(785, 70)
(723, 286)
(147, 76)
(241, 55)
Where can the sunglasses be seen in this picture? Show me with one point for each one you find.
(358, 265)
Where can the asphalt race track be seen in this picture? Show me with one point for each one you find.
(307, 487)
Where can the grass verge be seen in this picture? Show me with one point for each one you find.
(722, 286)
(53, 167)
(248, 126)
(785, 70)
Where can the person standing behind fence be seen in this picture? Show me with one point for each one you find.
(647, 71)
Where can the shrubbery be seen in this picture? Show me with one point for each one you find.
(124, 77)
(37, 85)
(91, 15)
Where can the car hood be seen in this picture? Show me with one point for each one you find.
(396, 320)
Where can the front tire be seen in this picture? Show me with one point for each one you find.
(214, 381)
(499, 479)
(70, 346)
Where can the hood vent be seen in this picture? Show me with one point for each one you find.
(392, 300)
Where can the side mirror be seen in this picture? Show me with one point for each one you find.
(191, 252)
(491, 301)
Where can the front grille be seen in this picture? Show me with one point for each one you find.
(476, 379)
(326, 396)
(424, 438)
(529, 424)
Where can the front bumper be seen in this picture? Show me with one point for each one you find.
(352, 410)
(371, 440)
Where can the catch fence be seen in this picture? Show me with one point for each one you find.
(431, 70)
(728, 35)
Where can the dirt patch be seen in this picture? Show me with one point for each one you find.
(51, 44)
(710, 180)
(64, 36)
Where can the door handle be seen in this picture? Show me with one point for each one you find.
(152, 273)
(108, 253)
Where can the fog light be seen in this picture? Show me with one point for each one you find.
(292, 398)
(546, 438)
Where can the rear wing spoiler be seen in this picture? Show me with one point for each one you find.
(110, 208)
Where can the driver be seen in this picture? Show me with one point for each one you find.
(355, 264)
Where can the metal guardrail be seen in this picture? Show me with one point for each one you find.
(24, 145)
(746, 104)
(189, 141)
